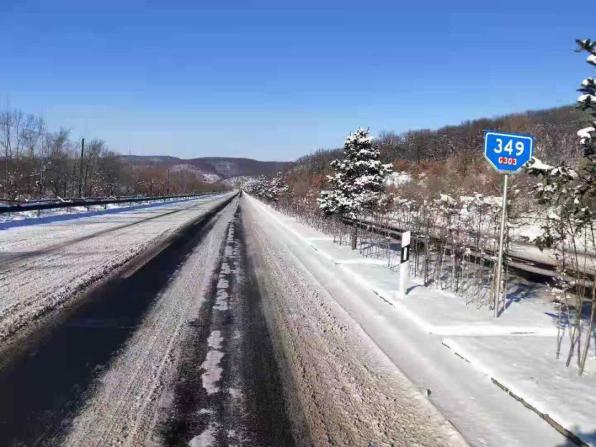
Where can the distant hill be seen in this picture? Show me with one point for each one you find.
(554, 131)
(450, 158)
(210, 169)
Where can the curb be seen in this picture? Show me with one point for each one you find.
(545, 416)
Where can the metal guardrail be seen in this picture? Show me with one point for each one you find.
(47, 205)
(517, 261)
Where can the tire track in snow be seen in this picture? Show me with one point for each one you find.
(228, 390)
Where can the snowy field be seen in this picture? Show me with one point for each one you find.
(44, 266)
(457, 350)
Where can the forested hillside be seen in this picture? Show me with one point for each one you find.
(450, 159)
(37, 163)
(210, 169)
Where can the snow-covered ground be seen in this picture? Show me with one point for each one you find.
(526, 367)
(516, 350)
(23, 218)
(344, 340)
(42, 267)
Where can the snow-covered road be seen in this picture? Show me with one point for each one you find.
(235, 343)
(128, 400)
(234, 332)
(43, 267)
(199, 369)
(340, 385)
(377, 334)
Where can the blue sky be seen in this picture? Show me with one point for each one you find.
(279, 79)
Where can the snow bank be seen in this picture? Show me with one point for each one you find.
(530, 371)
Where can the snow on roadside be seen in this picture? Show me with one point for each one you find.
(434, 311)
(481, 410)
(43, 266)
(529, 369)
(22, 218)
(441, 312)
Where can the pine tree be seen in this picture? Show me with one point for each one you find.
(278, 187)
(587, 136)
(358, 182)
(570, 197)
(572, 192)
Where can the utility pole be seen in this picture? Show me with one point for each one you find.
(81, 168)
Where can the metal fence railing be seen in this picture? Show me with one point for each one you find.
(15, 207)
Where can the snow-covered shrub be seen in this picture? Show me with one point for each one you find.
(454, 243)
(270, 190)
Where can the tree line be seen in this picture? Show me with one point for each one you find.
(37, 163)
(451, 157)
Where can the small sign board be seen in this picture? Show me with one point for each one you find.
(404, 254)
(507, 152)
(406, 236)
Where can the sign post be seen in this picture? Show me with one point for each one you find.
(507, 154)
(404, 265)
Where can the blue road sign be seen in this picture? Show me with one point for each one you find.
(507, 152)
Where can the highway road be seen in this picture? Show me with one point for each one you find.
(44, 267)
(202, 323)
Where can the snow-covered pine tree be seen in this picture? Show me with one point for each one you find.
(569, 191)
(278, 187)
(570, 197)
(587, 135)
(358, 180)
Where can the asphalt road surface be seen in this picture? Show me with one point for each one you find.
(188, 325)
